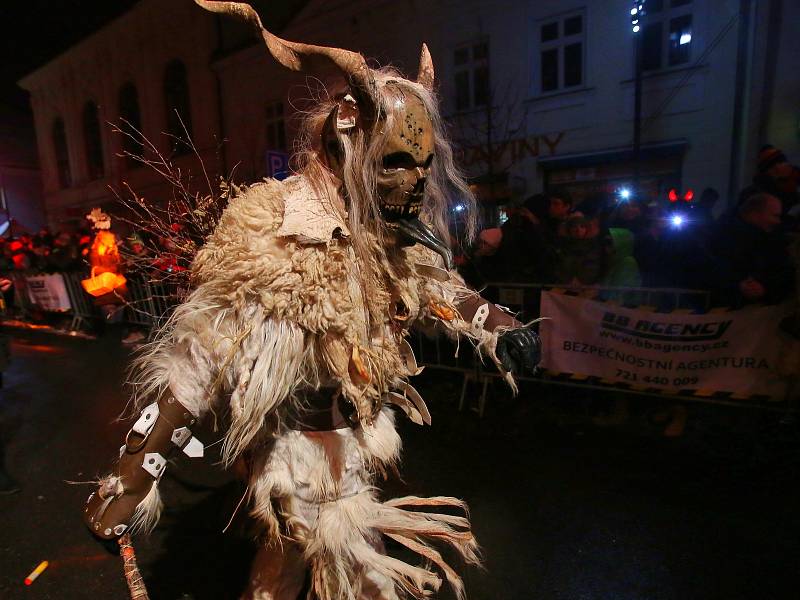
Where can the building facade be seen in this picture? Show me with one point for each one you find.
(21, 205)
(553, 84)
(145, 73)
(537, 93)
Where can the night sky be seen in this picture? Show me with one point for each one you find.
(32, 32)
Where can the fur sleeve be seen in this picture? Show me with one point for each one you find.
(209, 352)
(440, 293)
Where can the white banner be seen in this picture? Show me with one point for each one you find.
(48, 292)
(734, 352)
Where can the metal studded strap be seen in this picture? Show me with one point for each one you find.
(161, 428)
(485, 315)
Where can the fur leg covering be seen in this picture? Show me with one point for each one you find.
(343, 546)
(321, 482)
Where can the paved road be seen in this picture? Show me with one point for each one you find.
(564, 510)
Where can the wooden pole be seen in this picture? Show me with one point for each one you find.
(133, 577)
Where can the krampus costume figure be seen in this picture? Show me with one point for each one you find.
(304, 295)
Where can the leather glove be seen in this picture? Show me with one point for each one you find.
(520, 350)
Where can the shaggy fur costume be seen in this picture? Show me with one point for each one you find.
(282, 308)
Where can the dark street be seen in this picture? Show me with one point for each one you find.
(563, 509)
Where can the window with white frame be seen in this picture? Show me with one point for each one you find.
(471, 69)
(559, 63)
(275, 127)
(666, 34)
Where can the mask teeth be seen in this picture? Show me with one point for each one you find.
(400, 209)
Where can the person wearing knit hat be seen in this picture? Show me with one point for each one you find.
(769, 156)
(776, 176)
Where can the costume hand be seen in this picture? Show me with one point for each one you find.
(519, 350)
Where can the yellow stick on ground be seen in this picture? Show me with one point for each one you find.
(36, 572)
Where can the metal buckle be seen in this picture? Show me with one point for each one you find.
(143, 426)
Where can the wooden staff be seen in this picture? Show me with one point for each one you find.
(132, 575)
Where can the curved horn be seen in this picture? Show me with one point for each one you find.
(294, 55)
(425, 76)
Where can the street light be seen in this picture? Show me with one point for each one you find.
(637, 13)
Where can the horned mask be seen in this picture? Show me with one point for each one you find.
(409, 147)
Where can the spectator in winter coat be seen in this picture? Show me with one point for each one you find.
(65, 255)
(581, 258)
(525, 253)
(622, 269)
(776, 176)
(752, 261)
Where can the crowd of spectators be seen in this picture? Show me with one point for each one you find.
(80, 253)
(612, 239)
(45, 252)
(606, 239)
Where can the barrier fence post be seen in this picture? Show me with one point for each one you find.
(82, 308)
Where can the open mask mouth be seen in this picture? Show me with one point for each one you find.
(403, 217)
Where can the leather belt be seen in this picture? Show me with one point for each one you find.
(318, 410)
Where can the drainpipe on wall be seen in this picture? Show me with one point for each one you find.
(770, 66)
(741, 98)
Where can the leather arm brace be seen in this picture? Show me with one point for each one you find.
(162, 428)
(485, 315)
(519, 348)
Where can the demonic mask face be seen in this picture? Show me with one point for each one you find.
(407, 159)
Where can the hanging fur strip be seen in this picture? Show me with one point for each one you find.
(341, 544)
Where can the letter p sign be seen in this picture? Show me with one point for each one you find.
(277, 165)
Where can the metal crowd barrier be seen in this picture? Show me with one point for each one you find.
(22, 300)
(524, 299)
(83, 309)
(146, 304)
(150, 303)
